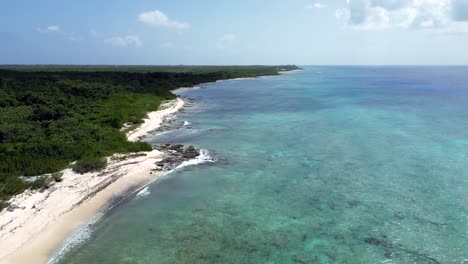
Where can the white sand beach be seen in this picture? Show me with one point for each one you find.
(43, 220)
(155, 119)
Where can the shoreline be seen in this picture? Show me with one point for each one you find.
(39, 227)
(290, 71)
(155, 119)
(200, 85)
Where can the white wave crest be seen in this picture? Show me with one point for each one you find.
(80, 235)
(143, 192)
(187, 123)
(83, 233)
(204, 157)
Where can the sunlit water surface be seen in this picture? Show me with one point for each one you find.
(325, 165)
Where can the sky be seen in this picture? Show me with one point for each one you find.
(222, 32)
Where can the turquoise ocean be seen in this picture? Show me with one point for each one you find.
(324, 165)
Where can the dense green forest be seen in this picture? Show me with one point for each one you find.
(51, 116)
(252, 70)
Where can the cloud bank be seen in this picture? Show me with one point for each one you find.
(125, 41)
(442, 15)
(314, 6)
(158, 18)
(49, 29)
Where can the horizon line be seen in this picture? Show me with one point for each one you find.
(240, 65)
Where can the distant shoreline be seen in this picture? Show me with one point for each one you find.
(291, 71)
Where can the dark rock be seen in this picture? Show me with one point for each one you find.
(249, 247)
(299, 259)
(175, 155)
(190, 155)
(12, 207)
(373, 241)
(352, 203)
(176, 147)
(191, 148)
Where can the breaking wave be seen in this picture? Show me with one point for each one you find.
(204, 157)
(79, 236)
(143, 192)
(82, 234)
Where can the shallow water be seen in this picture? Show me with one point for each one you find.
(326, 165)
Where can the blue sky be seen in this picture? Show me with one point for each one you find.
(234, 32)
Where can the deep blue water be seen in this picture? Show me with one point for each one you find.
(325, 165)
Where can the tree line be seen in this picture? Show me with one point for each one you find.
(49, 119)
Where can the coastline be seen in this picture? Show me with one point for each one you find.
(198, 86)
(42, 222)
(39, 228)
(155, 119)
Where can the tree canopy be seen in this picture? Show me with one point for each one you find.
(51, 118)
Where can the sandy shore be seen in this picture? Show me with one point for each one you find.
(291, 71)
(43, 220)
(155, 119)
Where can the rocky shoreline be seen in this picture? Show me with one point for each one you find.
(170, 122)
(36, 223)
(176, 154)
(172, 156)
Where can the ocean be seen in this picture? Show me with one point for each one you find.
(324, 165)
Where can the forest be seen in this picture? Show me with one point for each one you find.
(54, 116)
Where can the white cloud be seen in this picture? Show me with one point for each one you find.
(440, 15)
(71, 36)
(125, 41)
(314, 6)
(53, 28)
(158, 18)
(74, 37)
(225, 41)
(167, 45)
(49, 29)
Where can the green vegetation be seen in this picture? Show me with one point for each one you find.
(40, 183)
(245, 71)
(89, 164)
(61, 114)
(57, 176)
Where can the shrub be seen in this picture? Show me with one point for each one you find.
(132, 119)
(40, 183)
(89, 165)
(57, 176)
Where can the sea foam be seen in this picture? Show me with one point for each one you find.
(204, 157)
(143, 192)
(80, 235)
